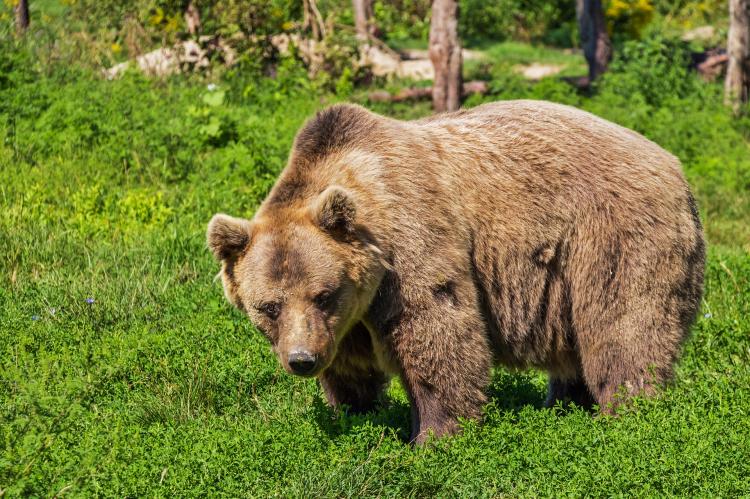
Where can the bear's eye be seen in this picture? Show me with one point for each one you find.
(271, 309)
(324, 299)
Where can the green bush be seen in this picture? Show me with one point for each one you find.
(654, 70)
(628, 18)
(401, 20)
(522, 20)
(479, 21)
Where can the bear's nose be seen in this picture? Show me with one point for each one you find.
(302, 362)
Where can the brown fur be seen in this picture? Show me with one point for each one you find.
(522, 233)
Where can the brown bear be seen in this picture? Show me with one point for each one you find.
(522, 233)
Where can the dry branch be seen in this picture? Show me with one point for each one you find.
(713, 66)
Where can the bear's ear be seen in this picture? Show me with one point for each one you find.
(227, 236)
(334, 211)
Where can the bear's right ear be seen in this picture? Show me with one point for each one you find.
(334, 211)
(228, 236)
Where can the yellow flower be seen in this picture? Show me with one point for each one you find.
(173, 23)
(158, 16)
(630, 16)
(116, 48)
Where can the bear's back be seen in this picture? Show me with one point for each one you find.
(528, 130)
(534, 156)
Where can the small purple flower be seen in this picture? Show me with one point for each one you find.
(34, 317)
(90, 300)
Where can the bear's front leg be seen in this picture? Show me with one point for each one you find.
(353, 378)
(445, 358)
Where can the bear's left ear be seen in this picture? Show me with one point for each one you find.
(334, 211)
(228, 236)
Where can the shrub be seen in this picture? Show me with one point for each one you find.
(523, 20)
(653, 70)
(628, 17)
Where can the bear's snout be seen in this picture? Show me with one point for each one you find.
(302, 362)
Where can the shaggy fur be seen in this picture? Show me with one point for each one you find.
(521, 233)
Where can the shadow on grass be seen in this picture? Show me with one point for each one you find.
(507, 392)
(391, 414)
(514, 391)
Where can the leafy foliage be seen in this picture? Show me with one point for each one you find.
(628, 17)
(523, 20)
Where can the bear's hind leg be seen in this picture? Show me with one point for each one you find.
(632, 306)
(629, 363)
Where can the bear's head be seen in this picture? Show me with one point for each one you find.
(305, 274)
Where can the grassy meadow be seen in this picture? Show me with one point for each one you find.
(123, 371)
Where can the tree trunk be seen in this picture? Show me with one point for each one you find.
(737, 83)
(22, 16)
(192, 19)
(594, 38)
(363, 19)
(311, 19)
(445, 54)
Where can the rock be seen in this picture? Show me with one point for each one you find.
(536, 71)
(407, 64)
(701, 33)
(165, 61)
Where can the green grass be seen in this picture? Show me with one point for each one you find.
(515, 53)
(160, 388)
(507, 55)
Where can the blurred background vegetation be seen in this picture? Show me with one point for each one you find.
(101, 33)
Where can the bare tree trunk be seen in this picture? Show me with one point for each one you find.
(22, 16)
(192, 19)
(737, 83)
(594, 38)
(445, 54)
(313, 20)
(364, 19)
